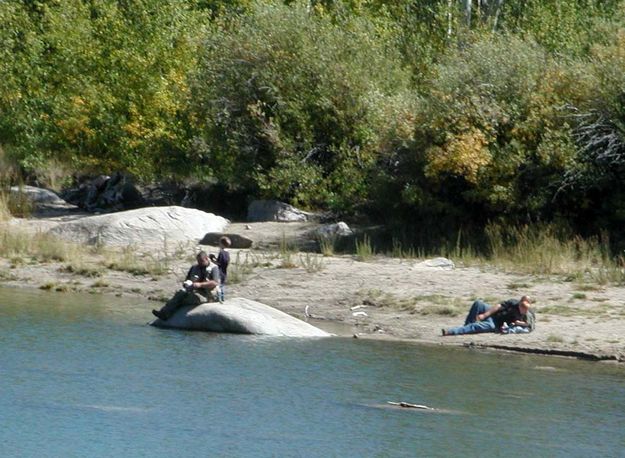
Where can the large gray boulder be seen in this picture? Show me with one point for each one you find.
(143, 226)
(273, 210)
(43, 200)
(107, 194)
(241, 316)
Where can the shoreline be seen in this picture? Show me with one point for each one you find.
(381, 298)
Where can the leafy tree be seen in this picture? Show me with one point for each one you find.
(98, 84)
(295, 105)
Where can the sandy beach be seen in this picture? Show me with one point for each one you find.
(380, 298)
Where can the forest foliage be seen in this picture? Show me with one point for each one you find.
(453, 113)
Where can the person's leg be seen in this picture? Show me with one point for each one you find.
(477, 308)
(180, 299)
(477, 327)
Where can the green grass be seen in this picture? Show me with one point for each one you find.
(16, 204)
(311, 262)
(42, 247)
(519, 285)
(83, 270)
(326, 246)
(399, 251)
(430, 304)
(240, 268)
(287, 253)
(364, 249)
(542, 250)
(132, 262)
(579, 296)
(554, 338)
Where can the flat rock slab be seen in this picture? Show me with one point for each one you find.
(241, 316)
(151, 225)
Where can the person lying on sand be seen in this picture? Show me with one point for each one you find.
(201, 285)
(511, 316)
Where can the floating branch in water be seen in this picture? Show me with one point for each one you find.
(409, 405)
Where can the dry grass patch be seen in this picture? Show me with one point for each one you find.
(432, 304)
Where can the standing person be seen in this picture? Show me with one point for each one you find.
(201, 285)
(222, 261)
(511, 314)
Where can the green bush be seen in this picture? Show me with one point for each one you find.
(296, 105)
(98, 85)
(492, 138)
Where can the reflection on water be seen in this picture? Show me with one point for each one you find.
(84, 376)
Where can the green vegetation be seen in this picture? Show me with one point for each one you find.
(463, 123)
(364, 249)
(311, 262)
(555, 338)
(432, 304)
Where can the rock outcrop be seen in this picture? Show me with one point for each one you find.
(43, 201)
(107, 193)
(273, 210)
(331, 231)
(241, 316)
(435, 263)
(152, 225)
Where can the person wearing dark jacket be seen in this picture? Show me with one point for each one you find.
(515, 314)
(201, 285)
(222, 261)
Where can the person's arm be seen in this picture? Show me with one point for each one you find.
(521, 323)
(488, 313)
(210, 283)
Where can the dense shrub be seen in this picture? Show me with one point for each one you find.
(297, 105)
(98, 85)
(492, 137)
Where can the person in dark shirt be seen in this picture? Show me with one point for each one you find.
(510, 314)
(222, 261)
(201, 285)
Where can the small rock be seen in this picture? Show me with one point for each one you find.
(438, 263)
(331, 231)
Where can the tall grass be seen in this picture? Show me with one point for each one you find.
(5, 214)
(311, 262)
(16, 204)
(545, 250)
(129, 260)
(287, 252)
(364, 249)
(241, 267)
(42, 247)
(327, 245)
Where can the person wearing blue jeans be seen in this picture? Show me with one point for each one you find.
(484, 318)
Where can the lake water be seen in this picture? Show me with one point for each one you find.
(83, 376)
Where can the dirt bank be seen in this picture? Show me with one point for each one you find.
(399, 300)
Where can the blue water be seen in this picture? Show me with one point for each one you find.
(83, 376)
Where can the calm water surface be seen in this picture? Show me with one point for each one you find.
(84, 376)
